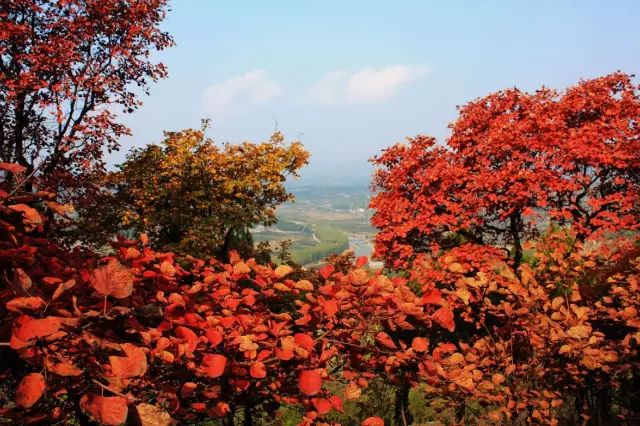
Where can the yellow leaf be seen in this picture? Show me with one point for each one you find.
(282, 271)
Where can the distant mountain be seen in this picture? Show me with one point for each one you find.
(334, 175)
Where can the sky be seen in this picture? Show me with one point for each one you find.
(349, 78)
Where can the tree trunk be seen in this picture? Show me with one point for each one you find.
(402, 415)
(514, 229)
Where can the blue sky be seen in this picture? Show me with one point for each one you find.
(349, 78)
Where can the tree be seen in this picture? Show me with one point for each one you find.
(514, 163)
(64, 68)
(193, 196)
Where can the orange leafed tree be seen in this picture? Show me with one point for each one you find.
(515, 163)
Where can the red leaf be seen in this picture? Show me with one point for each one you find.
(444, 317)
(330, 307)
(373, 421)
(323, 406)
(213, 365)
(326, 271)
(258, 370)
(305, 341)
(420, 344)
(214, 336)
(108, 410)
(361, 261)
(310, 382)
(12, 167)
(189, 336)
(385, 340)
(30, 390)
(336, 402)
(433, 297)
(284, 354)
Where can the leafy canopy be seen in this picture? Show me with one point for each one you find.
(515, 162)
(194, 196)
(62, 63)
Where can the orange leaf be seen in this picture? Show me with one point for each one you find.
(112, 279)
(30, 390)
(310, 382)
(352, 391)
(497, 379)
(258, 370)
(25, 303)
(134, 364)
(420, 344)
(284, 354)
(107, 410)
(330, 307)
(444, 317)
(167, 269)
(373, 421)
(23, 279)
(283, 270)
(65, 369)
(26, 328)
(304, 285)
(187, 335)
(62, 288)
(579, 331)
(64, 210)
(241, 268)
(323, 406)
(213, 365)
(220, 410)
(30, 216)
(385, 340)
(132, 253)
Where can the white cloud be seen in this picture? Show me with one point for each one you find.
(330, 87)
(366, 85)
(238, 92)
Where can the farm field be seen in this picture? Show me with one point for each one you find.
(322, 221)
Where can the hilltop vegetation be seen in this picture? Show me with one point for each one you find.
(480, 316)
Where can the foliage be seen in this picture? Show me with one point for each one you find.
(470, 333)
(515, 161)
(193, 196)
(64, 66)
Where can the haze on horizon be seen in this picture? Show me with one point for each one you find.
(349, 79)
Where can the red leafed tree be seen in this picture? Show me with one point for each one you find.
(66, 69)
(514, 163)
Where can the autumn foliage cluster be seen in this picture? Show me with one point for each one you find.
(146, 335)
(510, 294)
